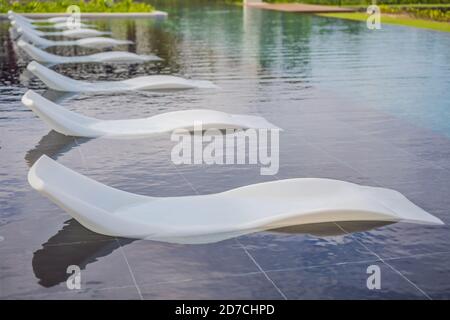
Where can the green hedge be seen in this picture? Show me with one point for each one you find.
(437, 10)
(85, 6)
(362, 2)
(436, 14)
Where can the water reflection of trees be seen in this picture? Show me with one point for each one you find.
(9, 70)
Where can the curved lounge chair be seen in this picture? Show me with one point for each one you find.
(57, 25)
(12, 15)
(103, 57)
(70, 123)
(94, 42)
(14, 34)
(215, 217)
(63, 26)
(71, 33)
(59, 82)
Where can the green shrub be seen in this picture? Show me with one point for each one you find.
(85, 6)
(437, 10)
(432, 13)
(362, 2)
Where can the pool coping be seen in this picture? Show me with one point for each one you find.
(94, 15)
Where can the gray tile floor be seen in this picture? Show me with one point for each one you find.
(267, 265)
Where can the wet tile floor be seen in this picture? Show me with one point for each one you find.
(267, 265)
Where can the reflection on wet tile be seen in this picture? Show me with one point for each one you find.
(355, 151)
(431, 193)
(72, 245)
(115, 293)
(429, 272)
(404, 239)
(32, 232)
(392, 172)
(254, 286)
(274, 251)
(333, 170)
(17, 277)
(348, 281)
(154, 262)
(330, 229)
(73, 232)
(52, 145)
(45, 271)
(204, 179)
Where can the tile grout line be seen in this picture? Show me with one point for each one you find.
(345, 164)
(359, 261)
(131, 271)
(80, 151)
(243, 247)
(258, 272)
(322, 265)
(261, 270)
(378, 183)
(83, 160)
(382, 260)
(408, 280)
(186, 180)
(425, 254)
(253, 259)
(376, 255)
(33, 295)
(402, 149)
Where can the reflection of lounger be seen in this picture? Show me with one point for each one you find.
(71, 33)
(103, 57)
(94, 42)
(215, 217)
(70, 123)
(59, 82)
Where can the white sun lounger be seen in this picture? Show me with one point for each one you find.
(58, 25)
(215, 217)
(58, 82)
(70, 123)
(70, 33)
(94, 42)
(103, 57)
(12, 15)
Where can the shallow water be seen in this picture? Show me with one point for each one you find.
(369, 107)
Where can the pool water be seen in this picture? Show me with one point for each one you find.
(370, 107)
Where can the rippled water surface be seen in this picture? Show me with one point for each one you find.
(370, 107)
